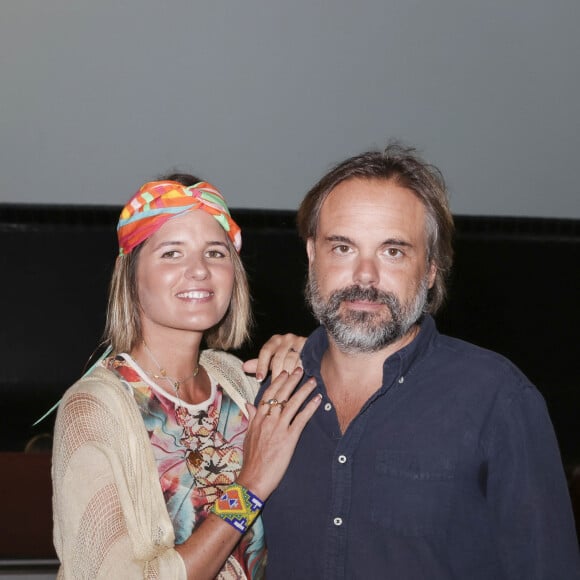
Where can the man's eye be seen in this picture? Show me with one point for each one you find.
(394, 252)
(341, 249)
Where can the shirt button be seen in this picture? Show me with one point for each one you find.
(402, 380)
(337, 521)
(342, 458)
(327, 407)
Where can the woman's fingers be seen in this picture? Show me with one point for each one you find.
(250, 366)
(251, 411)
(291, 410)
(287, 358)
(274, 432)
(281, 352)
(300, 419)
(284, 400)
(281, 389)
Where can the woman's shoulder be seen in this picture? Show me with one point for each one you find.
(99, 385)
(97, 378)
(220, 357)
(227, 370)
(99, 406)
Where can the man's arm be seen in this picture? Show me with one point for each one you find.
(528, 493)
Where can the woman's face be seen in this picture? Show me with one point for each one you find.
(185, 275)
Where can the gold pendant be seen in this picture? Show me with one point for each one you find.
(195, 458)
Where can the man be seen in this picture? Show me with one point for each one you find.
(428, 458)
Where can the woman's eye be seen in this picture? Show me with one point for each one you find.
(215, 254)
(170, 254)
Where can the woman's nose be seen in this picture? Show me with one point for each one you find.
(197, 269)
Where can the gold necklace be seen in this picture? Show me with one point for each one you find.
(193, 457)
(175, 383)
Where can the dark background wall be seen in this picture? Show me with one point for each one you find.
(514, 289)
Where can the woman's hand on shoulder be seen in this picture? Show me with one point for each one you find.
(280, 353)
(275, 427)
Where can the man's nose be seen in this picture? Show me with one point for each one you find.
(366, 271)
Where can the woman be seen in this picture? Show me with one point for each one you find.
(147, 464)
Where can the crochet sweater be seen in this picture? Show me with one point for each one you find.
(109, 512)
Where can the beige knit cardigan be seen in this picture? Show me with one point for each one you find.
(110, 518)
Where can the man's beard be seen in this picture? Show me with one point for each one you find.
(362, 330)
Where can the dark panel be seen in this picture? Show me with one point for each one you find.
(25, 509)
(514, 289)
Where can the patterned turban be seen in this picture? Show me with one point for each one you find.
(159, 201)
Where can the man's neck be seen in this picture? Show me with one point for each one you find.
(351, 378)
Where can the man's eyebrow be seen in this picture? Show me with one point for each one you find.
(387, 242)
(397, 242)
(342, 239)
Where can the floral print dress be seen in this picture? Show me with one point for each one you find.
(198, 451)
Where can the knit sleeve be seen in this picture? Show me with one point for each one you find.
(227, 370)
(103, 519)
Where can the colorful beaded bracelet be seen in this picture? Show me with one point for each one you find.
(237, 506)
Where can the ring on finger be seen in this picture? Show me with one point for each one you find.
(280, 404)
(273, 403)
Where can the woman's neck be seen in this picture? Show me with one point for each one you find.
(174, 366)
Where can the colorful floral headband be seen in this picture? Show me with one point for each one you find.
(158, 201)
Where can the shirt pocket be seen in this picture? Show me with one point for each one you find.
(412, 492)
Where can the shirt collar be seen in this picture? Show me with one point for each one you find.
(399, 363)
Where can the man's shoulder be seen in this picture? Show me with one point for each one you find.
(477, 363)
(463, 348)
(315, 345)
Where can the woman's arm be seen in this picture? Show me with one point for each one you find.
(101, 464)
(111, 516)
(268, 447)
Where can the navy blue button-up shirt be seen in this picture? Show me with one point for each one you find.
(450, 470)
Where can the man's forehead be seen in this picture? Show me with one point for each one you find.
(378, 204)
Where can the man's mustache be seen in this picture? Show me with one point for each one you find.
(354, 292)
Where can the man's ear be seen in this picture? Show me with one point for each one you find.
(310, 251)
(432, 274)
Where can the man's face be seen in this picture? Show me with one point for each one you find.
(369, 277)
